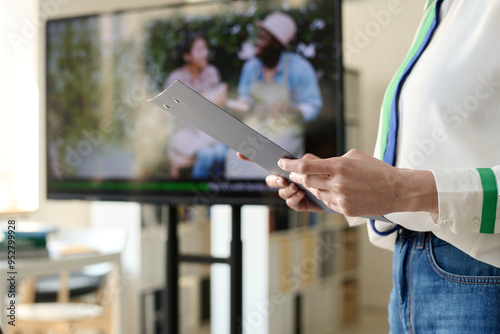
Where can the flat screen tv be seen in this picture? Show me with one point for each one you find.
(106, 142)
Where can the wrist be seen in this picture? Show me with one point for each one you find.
(418, 191)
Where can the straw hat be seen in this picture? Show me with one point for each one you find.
(281, 26)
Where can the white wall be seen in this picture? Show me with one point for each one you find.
(19, 112)
(377, 35)
(60, 213)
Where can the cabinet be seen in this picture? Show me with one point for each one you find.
(314, 269)
(301, 278)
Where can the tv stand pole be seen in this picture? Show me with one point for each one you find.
(236, 281)
(173, 259)
(171, 294)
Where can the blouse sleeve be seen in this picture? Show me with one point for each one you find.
(468, 200)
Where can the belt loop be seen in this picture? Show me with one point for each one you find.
(421, 240)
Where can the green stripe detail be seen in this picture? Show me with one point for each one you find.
(429, 3)
(490, 200)
(389, 93)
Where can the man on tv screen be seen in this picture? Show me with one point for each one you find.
(278, 90)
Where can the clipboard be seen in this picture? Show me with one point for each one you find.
(186, 104)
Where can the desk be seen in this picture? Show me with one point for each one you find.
(49, 266)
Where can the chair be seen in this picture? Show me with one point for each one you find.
(69, 315)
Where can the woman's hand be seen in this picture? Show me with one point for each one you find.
(294, 196)
(289, 191)
(356, 185)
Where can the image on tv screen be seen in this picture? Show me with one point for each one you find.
(275, 65)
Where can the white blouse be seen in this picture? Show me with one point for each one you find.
(449, 123)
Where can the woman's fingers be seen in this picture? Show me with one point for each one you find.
(288, 191)
(296, 199)
(307, 165)
(294, 196)
(312, 180)
(275, 181)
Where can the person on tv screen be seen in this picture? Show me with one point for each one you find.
(278, 89)
(435, 175)
(192, 153)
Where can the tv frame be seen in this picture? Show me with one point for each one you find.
(200, 196)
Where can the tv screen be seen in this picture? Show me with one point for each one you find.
(276, 65)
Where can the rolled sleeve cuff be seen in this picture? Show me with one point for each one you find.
(461, 197)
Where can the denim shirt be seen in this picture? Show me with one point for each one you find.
(302, 82)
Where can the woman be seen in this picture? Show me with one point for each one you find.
(439, 178)
(192, 153)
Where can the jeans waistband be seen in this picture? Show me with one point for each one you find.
(420, 237)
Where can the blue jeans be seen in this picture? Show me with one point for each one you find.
(209, 161)
(439, 289)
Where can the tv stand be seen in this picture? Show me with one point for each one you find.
(174, 258)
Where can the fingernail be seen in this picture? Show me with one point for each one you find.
(292, 176)
(280, 182)
(280, 163)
